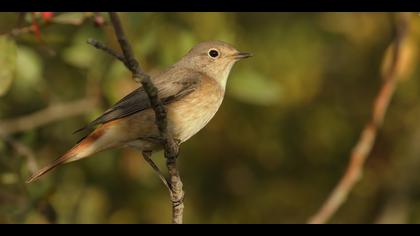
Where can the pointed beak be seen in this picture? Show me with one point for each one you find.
(242, 55)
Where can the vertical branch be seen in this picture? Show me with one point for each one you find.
(367, 138)
(170, 146)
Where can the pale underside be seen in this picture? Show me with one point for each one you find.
(186, 116)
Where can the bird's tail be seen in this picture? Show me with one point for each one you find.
(86, 147)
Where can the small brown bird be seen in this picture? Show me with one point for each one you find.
(192, 90)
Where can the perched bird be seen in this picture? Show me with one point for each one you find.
(191, 89)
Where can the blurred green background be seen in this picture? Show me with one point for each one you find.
(273, 152)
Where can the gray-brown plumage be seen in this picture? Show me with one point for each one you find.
(192, 90)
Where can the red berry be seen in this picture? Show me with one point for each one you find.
(46, 16)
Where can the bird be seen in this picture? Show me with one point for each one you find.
(192, 90)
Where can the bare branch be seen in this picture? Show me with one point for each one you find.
(170, 146)
(366, 141)
(131, 61)
(106, 49)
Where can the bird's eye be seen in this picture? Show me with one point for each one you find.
(213, 53)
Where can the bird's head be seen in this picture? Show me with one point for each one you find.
(213, 58)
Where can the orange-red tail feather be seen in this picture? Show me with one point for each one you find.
(83, 149)
(49, 167)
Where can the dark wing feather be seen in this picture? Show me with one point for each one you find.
(170, 90)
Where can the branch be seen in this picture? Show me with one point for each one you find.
(366, 141)
(170, 146)
(103, 47)
(50, 114)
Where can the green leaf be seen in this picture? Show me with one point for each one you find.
(29, 67)
(7, 63)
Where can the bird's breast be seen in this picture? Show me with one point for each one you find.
(191, 113)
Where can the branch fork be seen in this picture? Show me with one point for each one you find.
(171, 147)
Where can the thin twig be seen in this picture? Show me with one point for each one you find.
(171, 147)
(146, 157)
(366, 141)
(106, 49)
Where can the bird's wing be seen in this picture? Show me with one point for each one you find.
(171, 88)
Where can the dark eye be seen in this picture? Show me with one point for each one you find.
(213, 53)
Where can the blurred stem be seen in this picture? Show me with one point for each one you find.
(50, 114)
(367, 138)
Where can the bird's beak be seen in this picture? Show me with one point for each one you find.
(242, 55)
